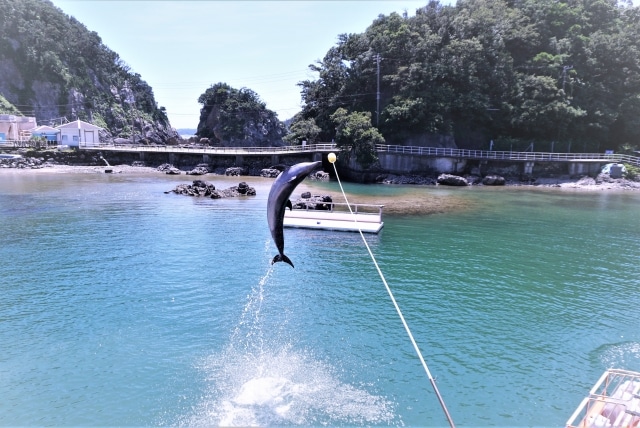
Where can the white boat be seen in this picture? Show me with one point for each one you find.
(614, 401)
(365, 217)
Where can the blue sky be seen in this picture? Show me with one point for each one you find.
(180, 48)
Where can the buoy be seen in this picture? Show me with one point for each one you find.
(331, 157)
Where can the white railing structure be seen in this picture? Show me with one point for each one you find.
(201, 149)
(381, 148)
(509, 155)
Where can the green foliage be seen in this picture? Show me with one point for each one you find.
(356, 136)
(633, 172)
(530, 70)
(302, 130)
(49, 49)
(7, 108)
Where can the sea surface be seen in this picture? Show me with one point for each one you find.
(122, 305)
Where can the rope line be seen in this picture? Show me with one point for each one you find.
(395, 304)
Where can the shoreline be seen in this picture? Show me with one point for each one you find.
(410, 202)
(600, 183)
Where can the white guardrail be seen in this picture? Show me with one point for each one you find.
(381, 148)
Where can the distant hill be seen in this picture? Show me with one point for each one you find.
(52, 67)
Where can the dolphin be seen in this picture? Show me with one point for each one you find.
(278, 202)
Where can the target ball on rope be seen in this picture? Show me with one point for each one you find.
(331, 157)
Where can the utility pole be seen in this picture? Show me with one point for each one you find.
(378, 92)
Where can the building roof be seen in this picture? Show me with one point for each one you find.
(44, 128)
(78, 124)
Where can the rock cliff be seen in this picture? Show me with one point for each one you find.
(52, 67)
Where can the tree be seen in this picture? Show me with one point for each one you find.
(543, 70)
(356, 136)
(302, 130)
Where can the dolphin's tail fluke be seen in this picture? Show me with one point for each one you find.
(281, 258)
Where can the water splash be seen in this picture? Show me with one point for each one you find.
(622, 355)
(260, 380)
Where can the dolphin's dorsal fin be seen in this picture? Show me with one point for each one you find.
(289, 204)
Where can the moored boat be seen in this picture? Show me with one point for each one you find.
(364, 217)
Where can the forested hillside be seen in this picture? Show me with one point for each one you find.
(52, 67)
(563, 75)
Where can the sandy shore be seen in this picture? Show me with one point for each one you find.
(410, 202)
(68, 169)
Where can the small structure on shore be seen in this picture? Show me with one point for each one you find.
(79, 133)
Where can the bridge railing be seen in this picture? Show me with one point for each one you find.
(201, 149)
(507, 155)
(409, 150)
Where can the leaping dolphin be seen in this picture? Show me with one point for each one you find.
(278, 202)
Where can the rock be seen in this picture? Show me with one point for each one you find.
(169, 169)
(244, 189)
(586, 181)
(199, 170)
(315, 202)
(494, 180)
(320, 176)
(234, 171)
(452, 180)
(269, 172)
(201, 188)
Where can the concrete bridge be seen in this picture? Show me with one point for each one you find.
(455, 160)
(396, 159)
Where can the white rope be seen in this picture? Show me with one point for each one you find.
(406, 326)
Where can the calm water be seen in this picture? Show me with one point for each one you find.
(123, 305)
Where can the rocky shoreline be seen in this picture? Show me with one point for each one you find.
(601, 182)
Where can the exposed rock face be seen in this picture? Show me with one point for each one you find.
(234, 171)
(169, 169)
(269, 172)
(201, 188)
(201, 169)
(64, 70)
(452, 180)
(494, 180)
(258, 128)
(20, 162)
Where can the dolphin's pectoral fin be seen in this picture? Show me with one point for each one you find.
(289, 205)
(282, 258)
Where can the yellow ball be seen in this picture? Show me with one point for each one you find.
(331, 157)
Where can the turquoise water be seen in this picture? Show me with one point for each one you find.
(123, 305)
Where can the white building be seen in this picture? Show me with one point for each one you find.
(77, 133)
